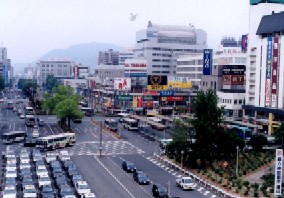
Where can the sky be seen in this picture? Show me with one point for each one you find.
(31, 28)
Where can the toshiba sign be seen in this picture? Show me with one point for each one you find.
(135, 65)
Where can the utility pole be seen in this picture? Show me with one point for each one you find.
(101, 137)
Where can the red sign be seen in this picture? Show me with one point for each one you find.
(233, 79)
(136, 65)
(172, 98)
(76, 71)
(151, 93)
(148, 104)
(274, 66)
(139, 104)
(92, 84)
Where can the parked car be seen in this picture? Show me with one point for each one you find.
(9, 192)
(128, 166)
(160, 191)
(89, 195)
(82, 187)
(22, 116)
(29, 191)
(140, 177)
(46, 191)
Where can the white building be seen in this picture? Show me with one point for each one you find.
(160, 45)
(108, 72)
(59, 68)
(124, 55)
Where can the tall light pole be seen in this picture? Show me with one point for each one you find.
(101, 137)
(237, 163)
(181, 161)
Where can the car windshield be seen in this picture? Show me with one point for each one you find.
(11, 172)
(83, 187)
(188, 181)
(143, 177)
(130, 164)
(47, 189)
(44, 179)
(29, 191)
(66, 190)
(9, 192)
(162, 189)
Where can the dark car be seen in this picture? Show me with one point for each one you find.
(160, 191)
(47, 191)
(30, 143)
(128, 166)
(68, 163)
(57, 170)
(66, 190)
(140, 177)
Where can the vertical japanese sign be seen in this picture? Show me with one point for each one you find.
(207, 61)
(244, 43)
(268, 71)
(76, 71)
(274, 73)
(134, 102)
(278, 172)
(139, 101)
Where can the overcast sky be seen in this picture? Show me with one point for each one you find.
(31, 28)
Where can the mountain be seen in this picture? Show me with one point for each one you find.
(85, 53)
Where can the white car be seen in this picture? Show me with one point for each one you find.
(35, 133)
(25, 165)
(82, 187)
(41, 171)
(11, 173)
(9, 192)
(11, 160)
(89, 195)
(50, 157)
(64, 155)
(24, 159)
(186, 183)
(22, 116)
(44, 180)
(11, 166)
(29, 191)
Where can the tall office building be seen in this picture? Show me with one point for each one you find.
(265, 72)
(162, 44)
(109, 57)
(5, 65)
(124, 55)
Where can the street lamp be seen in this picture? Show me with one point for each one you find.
(182, 152)
(237, 163)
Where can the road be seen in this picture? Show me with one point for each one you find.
(104, 174)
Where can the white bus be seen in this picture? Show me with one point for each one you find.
(154, 119)
(130, 124)
(30, 120)
(29, 111)
(56, 141)
(14, 136)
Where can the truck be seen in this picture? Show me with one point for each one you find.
(186, 183)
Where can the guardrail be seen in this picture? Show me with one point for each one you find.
(217, 190)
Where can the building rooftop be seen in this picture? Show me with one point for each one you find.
(269, 24)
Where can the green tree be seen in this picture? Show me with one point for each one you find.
(28, 87)
(2, 83)
(207, 124)
(279, 134)
(257, 142)
(69, 109)
(50, 82)
(48, 103)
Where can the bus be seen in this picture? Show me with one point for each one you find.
(88, 111)
(10, 105)
(130, 124)
(163, 144)
(154, 119)
(52, 142)
(111, 124)
(14, 136)
(30, 120)
(29, 111)
(121, 116)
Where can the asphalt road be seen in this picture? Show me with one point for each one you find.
(104, 174)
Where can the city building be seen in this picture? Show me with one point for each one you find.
(162, 44)
(107, 73)
(81, 71)
(109, 57)
(124, 55)
(5, 65)
(264, 74)
(60, 69)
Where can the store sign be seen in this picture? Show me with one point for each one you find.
(172, 98)
(148, 104)
(233, 80)
(157, 82)
(76, 71)
(137, 75)
(179, 82)
(234, 70)
(135, 102)
(244, 43)
(207, 61)
(274, 73)
(135, 65)
(166, 93)
(140, 101)
(147, 98)
(268, 71)
(123, 98)
(157, 87)
(278, 172)
(122, 83)
(151, 93)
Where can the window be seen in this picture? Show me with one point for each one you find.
(235, 102)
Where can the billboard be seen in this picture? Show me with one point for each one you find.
(135, 102)
(122, 83)
(167, 93)
(172, 98)
(179, 82)
(76, 71)
(234, 70)
(123, 97)
(135, 68)
(150, 93)
(268, 71)
(254, 2)
(207, 61)
(278, 172)
(244, 43)
(140, 101)
(233, 80)
(274, 72)
(91, 84)
(157, 82)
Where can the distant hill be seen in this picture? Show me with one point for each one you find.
(85, 53)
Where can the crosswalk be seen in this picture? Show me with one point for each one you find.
(177, 174)
(93, 148)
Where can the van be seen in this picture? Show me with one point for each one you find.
(35, 133)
